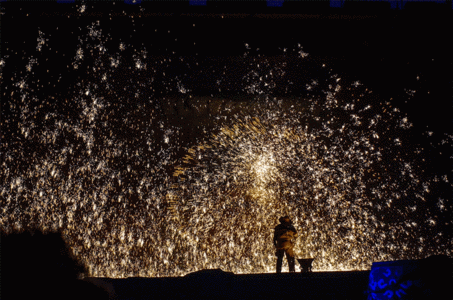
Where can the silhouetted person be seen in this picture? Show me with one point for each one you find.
(283, 235)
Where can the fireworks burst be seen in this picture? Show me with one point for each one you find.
(337, 181)
(102, 163)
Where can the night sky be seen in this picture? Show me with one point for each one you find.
(163, 143)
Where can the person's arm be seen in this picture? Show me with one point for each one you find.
(293, 229)
(275, 238)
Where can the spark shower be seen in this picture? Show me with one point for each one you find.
(144, 184)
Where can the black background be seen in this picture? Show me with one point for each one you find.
(385, 49)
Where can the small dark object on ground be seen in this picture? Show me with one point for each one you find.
(305, 264)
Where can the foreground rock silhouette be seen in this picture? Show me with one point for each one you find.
(217, 284)
(429, 278)
(35, 265)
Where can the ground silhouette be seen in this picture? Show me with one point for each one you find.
(35, 264)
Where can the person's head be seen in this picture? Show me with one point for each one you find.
(285, 220)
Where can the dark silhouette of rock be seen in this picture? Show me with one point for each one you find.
(217, 284)
(35, 264)
(209, 284)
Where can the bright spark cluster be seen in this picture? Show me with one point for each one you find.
(347, 192)
(102, 165)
